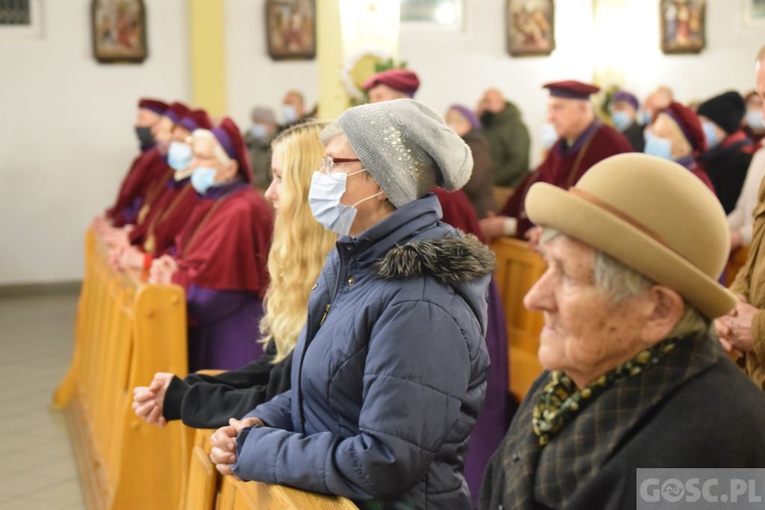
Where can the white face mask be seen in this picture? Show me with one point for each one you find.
(549, 135)
(324, 199)
(289, 114)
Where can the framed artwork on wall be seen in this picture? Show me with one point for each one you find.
(119, 31)
(291, 29)
(20, 18)
(683, 26)
(754, 12)
(530, 27)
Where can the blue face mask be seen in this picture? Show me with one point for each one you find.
(755, 120)
(179, 156)
(710, 133)
(324, 199)
(289, 114)
(549, 135)
(657, 146)
(646, 117)
(258, 131)
(202, 178)
(621, 120)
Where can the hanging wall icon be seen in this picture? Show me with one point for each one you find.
(119, 31)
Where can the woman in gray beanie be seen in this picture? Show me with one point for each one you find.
(390, 371)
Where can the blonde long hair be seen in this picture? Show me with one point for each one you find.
(300, 244)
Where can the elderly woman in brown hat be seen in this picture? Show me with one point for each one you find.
(633, 378)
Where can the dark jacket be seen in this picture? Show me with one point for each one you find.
(260, 159)
(635, 136)
(389, 372)
(207, 402)
(694, 408)
(509, 143)
(726, 165)
(480, 188)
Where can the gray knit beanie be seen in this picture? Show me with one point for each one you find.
(407, 148)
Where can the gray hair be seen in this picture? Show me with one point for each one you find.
(332, 130)
(619, 282)
(206, 134)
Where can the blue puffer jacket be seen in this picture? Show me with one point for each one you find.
(389, 373)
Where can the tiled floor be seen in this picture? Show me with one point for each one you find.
(37, 466)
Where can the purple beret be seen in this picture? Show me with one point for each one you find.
(176, 112)
(623, 95)
(230, 138)
(197, 119)
(468, 114)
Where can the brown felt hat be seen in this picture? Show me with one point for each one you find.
(652, 215)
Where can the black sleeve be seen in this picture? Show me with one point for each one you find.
(204, 401)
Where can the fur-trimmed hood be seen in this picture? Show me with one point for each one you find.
(448, 260)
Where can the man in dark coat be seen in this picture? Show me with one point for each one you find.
(582, 141)
(508, 137)
(633, 377)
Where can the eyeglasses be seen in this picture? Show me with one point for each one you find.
(328, 163)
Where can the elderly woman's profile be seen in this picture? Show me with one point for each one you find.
(634, 377)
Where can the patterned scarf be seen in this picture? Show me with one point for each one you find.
(561, 401)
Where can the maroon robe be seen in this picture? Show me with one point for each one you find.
(166, 218)
(224, 244)
(221, 254)
(458, 211)
(495, 416)
(145, 169)
(565, 165)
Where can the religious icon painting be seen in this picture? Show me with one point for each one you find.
(682, 26)
(119, 31)
(291, 29)
(530, 27)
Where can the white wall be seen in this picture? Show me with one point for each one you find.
(459, 66)
(66, 135)
(66, 122)
(253, 78)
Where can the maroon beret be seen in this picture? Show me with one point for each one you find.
(154, 105)
(176, 112)
(399, 79)
(689, 124)
(571, 89)
(196, 119)
(230, 138)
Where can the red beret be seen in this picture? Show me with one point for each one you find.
(689, 124)
(399, 79)
(230, 138)
(176, 112)
(155, 105)
(197, 119)
(571, 89)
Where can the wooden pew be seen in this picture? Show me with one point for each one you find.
(207, 490)
(126, 331)
(518, 267)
